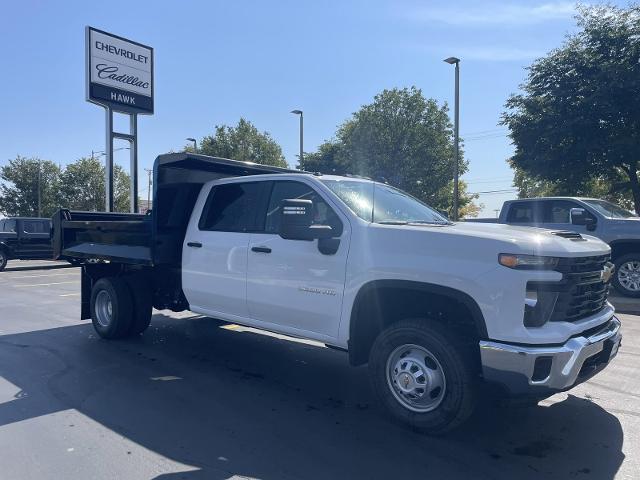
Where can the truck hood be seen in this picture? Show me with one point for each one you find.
(537, 241)
(475, 237)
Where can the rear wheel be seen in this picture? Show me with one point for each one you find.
(421, 377)
(3, 260)
(626, 278)
(142, 304)
(111, 307)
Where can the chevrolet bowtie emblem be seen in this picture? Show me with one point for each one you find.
(605, 273)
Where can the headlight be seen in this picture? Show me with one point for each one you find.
(527, 262)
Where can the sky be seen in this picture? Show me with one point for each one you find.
(217, 61)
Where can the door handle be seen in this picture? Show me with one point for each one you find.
(194, 244)
(261, 249)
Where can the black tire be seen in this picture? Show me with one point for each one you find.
(113, 290)
(4, 258)
(631, 258)
(459, 397)
(142, 304)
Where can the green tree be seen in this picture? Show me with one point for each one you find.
(22, 178)
(402, 138)
(243, 142)
(613, 189)
(82, 186)
(577, 121)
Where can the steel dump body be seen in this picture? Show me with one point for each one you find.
(152, 239)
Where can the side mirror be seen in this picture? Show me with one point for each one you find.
(579, 216)
(296, 218)
(444, 213)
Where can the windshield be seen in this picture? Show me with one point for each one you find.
(379, 203)
(608, 209)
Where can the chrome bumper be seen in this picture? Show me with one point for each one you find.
(545, 369)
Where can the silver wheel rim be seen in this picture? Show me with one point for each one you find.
(2, 258)
(104, 308)
(416, 378)
(629, 275)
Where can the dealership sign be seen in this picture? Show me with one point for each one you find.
(119, 72)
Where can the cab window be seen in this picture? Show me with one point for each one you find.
(35, 226)
(524, 212)
(323, 214)
(232, 207)
(9, 226)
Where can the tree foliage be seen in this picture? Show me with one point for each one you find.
(82, 186)
(19, 188)
(576, 124)
(79, 186)
(243, 142)
(402, 138)
(530, 186)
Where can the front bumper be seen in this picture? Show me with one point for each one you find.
(543, 370)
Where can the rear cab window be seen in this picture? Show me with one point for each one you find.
(35, 226)
(524, 212)
(233, 207)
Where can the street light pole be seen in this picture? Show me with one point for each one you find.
(456, 128)
(39, 188)
(195, 144)
(299, 112)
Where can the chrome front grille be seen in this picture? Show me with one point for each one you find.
(582, 292)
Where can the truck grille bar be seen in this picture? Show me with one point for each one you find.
(582, 292)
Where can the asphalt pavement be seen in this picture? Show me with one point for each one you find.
(196, 399)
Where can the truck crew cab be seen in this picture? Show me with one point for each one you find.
(435, 308)
(25, 238)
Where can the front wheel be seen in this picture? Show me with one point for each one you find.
(626, 278)
(3, 260)
(421, 377)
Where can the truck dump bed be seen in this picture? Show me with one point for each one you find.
(155, 238)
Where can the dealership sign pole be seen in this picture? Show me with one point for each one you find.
(119, 78)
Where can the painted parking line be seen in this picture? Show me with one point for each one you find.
(44, 284)
(69, 294)
(43, 275)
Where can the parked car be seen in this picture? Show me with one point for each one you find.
(25, 238)
(435, 308)
(613, 224)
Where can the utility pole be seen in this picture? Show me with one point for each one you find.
(149, 172)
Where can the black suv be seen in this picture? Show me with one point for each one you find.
(25, 239)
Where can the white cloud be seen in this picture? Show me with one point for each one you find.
(496, 13)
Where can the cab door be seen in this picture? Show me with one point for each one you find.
(35, 239)
(557, 216)
(292, 286)
(214, 255)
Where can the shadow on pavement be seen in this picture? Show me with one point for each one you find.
(240, 403)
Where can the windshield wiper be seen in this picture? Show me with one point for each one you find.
(425, 222)
(411, 222)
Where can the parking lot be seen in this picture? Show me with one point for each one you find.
(192, 398)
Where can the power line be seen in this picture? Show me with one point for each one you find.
(481, 132)
(510, 190)
(486, 137)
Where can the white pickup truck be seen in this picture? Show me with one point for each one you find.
(436, 308)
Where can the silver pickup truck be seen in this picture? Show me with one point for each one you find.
(613, 224)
